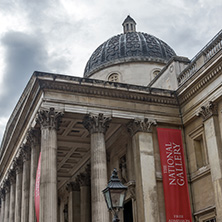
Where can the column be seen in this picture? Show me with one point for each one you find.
(74, 201)
(213, 139)
(7, 200)
(18, 188)
(84, 181)
(2, 196)
(12, 196)
(33, 138)
(49, 121)
(97, 126)
(144, 162)
(25, 152)
(61, 209)
(0, 206)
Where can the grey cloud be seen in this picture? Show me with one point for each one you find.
(23, 54)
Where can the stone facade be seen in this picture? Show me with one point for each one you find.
(85, 127)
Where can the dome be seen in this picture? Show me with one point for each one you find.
(128, 47)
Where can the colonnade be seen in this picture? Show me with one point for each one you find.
(86, 202)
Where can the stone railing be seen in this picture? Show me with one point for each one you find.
(187, 73)
(211, 49)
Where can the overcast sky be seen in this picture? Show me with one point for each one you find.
(60, 35)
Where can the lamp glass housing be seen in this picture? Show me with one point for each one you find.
(108, 198)
(117, 197)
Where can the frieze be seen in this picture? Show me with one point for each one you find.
(208, 110)
(49, 118)
(141, 125)
(96, 123)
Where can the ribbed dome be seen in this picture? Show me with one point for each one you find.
(128, 47)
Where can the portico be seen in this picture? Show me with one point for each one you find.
(76, 140)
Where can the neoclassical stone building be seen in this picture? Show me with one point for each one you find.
(84, 127)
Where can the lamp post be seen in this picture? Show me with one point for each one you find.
(115, 194)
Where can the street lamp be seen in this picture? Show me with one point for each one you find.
(115, 194)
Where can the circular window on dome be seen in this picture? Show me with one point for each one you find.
(114, 77)
(155, 73)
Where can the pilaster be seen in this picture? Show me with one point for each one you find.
(49, 121)
(97, 126)
(209, 113)
(143, 151)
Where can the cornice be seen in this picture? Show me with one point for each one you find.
(199, 85)
(113, 90)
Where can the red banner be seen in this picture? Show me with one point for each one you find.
(177, 203)
(37, 189)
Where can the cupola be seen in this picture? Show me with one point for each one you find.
(129, 25)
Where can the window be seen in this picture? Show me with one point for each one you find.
(155, 73)
(114, 77)
(199, 151)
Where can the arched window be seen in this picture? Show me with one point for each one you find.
(114, 77)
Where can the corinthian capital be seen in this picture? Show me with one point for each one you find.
(2, 194)
(7, 185)
(33, 136)
(84, 179)
(208, 110)
(96, 123)
(73, 186)
(17, 165)
(49, 118)
(12, 176)
(141, 125)
(25, 152)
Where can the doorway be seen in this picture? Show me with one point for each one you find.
(128, 211)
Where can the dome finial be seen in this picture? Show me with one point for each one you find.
(129, 25)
